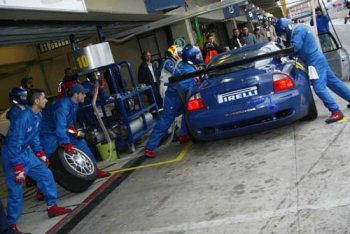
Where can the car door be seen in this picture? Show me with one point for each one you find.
(338, 57)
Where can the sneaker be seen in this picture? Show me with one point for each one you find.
(16, 231)
(55, 210)
(102, 174)
(39, 195)
(150, 153)
(183, 139)
(336, 116)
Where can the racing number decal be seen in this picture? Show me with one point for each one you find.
(83, 62)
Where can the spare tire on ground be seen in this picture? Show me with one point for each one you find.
(74, 172)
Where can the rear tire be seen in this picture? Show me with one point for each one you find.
(75, 173)
(2, 141)
(312, 109)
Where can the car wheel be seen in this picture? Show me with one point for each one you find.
(312, 110)
(74, 172)
(2, 140)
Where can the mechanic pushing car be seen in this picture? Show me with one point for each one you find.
(58, 121)
(173, 106)
(173, 57)
(320, 73)
(19, 159)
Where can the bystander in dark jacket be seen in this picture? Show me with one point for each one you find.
(148, 74)
(236, 41)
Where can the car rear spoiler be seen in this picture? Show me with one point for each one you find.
(282, 53)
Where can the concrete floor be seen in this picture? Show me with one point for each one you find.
(288, 180)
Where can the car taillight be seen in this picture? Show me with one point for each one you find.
(195, 102)
(282, 82)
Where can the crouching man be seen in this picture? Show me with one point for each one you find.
(59, 121)
(22, 155)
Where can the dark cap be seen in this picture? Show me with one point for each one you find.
(78, 88)
(318, 9)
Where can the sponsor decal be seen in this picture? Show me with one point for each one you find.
(238, 94)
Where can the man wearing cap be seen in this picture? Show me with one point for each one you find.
(58, 119)
(27, 83)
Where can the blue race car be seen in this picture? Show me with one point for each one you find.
(259, 93)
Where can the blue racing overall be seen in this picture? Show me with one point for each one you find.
(21, 142)
(305, 45)
(56, 119)
(173, 105)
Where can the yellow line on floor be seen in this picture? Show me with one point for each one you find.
(344, 119)
(177, 159)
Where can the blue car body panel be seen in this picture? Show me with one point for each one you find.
(244, 101)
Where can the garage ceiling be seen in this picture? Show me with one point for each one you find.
(34, 27)
(30, 27)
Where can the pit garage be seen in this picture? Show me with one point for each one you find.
(291, 179)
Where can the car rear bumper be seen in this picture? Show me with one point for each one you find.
(275, 111)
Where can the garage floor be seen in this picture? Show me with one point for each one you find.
(287, 180)
(293, 179)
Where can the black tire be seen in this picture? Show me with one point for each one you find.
(74, 173)
(2, 141)
(312, 109)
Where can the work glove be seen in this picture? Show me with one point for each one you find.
(75, 132)
(42, 156)
(68, 148)
(19, 173)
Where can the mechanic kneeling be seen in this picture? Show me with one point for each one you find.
(58, 122)
(18, 159)
(173, 105)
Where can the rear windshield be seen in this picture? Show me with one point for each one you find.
(235, 56)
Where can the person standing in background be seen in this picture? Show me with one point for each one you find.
(248, 37)
(148, 75)
(268, 30)
(210, 49)
(258, 37)
(321, 20)
(27, 83)
(236, 41)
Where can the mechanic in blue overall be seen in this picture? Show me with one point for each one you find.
(173, 104)
(22, 155)
(59, 121)
(18, 98)
(320, 73)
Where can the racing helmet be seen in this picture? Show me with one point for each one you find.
(284, 29)
(175, 51)
(18, 96)
(192, 55)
